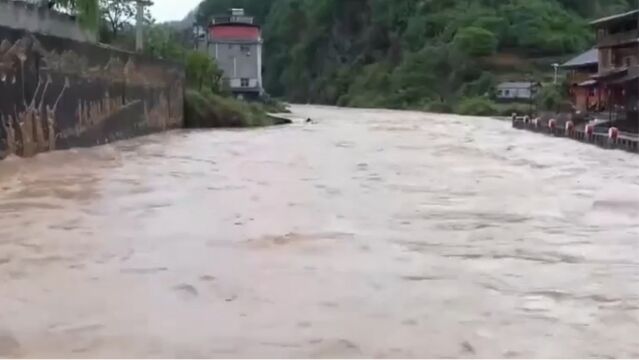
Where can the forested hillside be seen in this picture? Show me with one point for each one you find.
(429, 54)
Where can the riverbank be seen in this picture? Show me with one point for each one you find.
(208, 110)
(608, 138)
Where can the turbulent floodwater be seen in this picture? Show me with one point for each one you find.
(370, 233)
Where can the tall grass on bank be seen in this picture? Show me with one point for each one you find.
(203, 109)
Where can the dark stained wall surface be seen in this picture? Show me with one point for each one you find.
(58, 93)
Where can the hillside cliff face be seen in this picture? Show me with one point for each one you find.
(409, 53)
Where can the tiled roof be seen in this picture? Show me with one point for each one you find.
(606, 19)
(590, 57)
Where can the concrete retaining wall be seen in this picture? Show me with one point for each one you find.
(57, 93)
(33, 18)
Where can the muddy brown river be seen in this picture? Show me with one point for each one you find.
(368, 234)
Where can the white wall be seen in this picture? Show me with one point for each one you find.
(237, 63)
(513, 93)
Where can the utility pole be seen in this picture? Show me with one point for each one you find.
(139, 24)
(556, 66)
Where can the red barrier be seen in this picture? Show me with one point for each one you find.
(613, 134)
(552, 125)
(570, 128)
(590, 130)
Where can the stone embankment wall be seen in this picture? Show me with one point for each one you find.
(58, 93)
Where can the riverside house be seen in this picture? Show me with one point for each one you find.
(584, 92)
(235, 42)
(617, 77)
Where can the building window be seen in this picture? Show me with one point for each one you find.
(245, 49)
(230, 46)
(244, 82)
(628, 61)
(506, 92)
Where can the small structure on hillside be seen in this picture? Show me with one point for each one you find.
(235, 42)
(584, 92)
(517, 90)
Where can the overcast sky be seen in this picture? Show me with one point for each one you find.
(168, 10)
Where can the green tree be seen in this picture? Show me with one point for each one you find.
(202, 73)
(551, 97)
(545, 28)
(164, 42)
(479, 106)
(116, 14)
(88, 11)
(475, 41)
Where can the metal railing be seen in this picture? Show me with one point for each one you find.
(609, 40)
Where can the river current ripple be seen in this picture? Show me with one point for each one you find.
(370, 233)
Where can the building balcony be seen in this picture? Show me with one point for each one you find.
(240, 90)
(243, 85)
(232, 19)
(618, 39)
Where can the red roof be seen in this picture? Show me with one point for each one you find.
(235, 32)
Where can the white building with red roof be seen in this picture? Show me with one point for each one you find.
(235, 42)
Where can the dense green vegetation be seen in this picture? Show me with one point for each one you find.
(439, 55)
(208, 104)
(204, 109)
